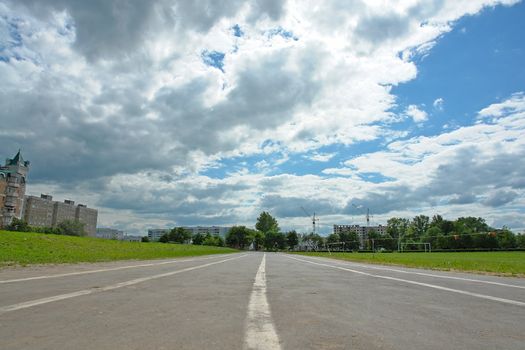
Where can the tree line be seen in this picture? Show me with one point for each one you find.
(463, 233)
(66, 227)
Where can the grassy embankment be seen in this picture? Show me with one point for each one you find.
(500, 263)
(22, 248)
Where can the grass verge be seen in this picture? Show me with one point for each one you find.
(499, 263)
(23, 248)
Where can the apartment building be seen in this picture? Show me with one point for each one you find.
(44, 212)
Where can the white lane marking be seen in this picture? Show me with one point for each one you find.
(477, 295)
(27, 304)
(421, 273)
(103, 270)
(260, 331)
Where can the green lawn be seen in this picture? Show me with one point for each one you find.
(501, 263)
(22, 248)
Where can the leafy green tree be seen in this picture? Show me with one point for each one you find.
(431, 236)
(418, 226)
(164, 238)
(373, 237)
(386, 242)
(333, 238)
(446, 226)
(397, 227)
(520, 241)
(179, 235)
(238, 237)
(274, 240)
(350, 239)
(71, 228)
(506, 238)
(219, 240)
(214, 240)
(145, 239)
(198, 239)
(18, 225)
(471, 224)
(266, 223)
(292, 239)
(257, 238)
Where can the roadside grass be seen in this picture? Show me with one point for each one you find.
(23, 248)
(498, 263)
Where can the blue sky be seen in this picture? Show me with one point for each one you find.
(209, 117)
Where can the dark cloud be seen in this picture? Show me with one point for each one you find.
(272, 8)
(376, 28)
(499, 198)
(464, 198)
(289, 207)
(115, 28)
(465, 177)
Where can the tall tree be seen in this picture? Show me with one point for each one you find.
(333, 238)
(292, 239)
(238, 237)
(179, 235)
(266, 223)
(257, 239)
(418, 226)
(71, 228)
(274, 240)
(397, 227)
(197, 239)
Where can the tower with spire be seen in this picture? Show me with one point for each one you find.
(12, 188)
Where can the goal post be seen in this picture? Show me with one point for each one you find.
(426, 246)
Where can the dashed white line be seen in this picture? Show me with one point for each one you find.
(477, 295)
(27, 304)
(425, 274)
(260, 331)
(102, 270)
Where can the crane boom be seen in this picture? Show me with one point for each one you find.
(314, 219)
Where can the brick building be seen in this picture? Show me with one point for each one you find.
(12, 188)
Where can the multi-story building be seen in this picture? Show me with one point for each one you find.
(88, 216)
(38, 211)
(45, 212)
(362, 231)
(212, 230)
(110, 233)
(154, 234)
(12, 188)
(129, 238)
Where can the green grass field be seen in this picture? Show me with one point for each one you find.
(22, 248)
(500, 263)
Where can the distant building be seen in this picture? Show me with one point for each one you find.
(110, 233)
(12, 188)
(38, 211)
(154, 234)
(212, 230)
(362, 231)
(132, 238)
(88, 216)
(43, 211)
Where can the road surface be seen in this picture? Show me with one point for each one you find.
(256, 300)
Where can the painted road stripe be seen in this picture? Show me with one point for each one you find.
(343, 262)
(103, 270)
(260, 331)
(36, 302)
(482, 296)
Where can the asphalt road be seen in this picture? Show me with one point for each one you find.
(256, 300)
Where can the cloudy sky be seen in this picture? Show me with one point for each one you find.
(175, 112)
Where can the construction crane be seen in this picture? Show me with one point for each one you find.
(314, 219)
(367, 213)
